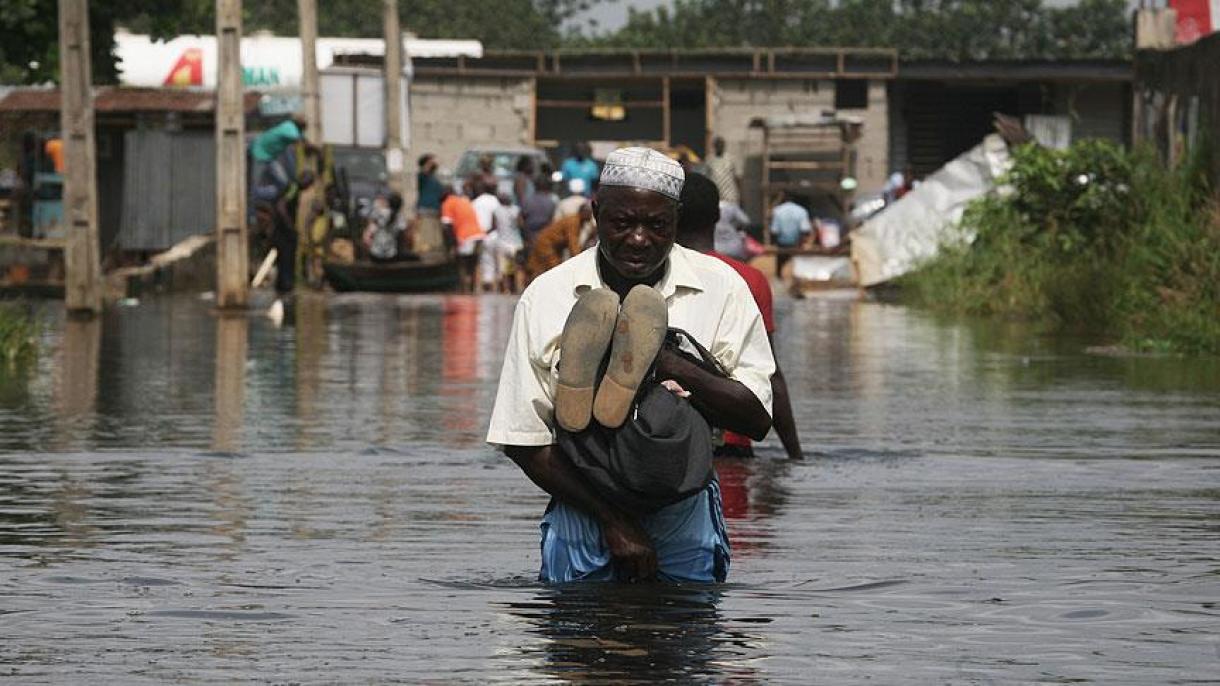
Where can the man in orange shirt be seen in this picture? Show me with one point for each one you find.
(54, 148)
(561, 240)
(457, 212)
(696, 230)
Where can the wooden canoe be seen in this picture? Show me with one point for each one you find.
(429, 274)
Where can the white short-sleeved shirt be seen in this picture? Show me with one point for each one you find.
(485, 209)
(706, 298)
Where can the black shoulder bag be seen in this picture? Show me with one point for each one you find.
(661, 455)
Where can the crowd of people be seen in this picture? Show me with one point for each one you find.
(506, 234)
(504, 229)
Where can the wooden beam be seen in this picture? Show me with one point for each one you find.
(589, 104)
(232, 269)
(83, 274)
(766, 186)
(532, 134)
(36, 243)
(665, 112)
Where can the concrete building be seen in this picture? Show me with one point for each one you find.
(665, 99)
(920, 114)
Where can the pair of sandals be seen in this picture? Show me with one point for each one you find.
(633, 333)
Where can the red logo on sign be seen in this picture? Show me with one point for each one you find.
(188, 70)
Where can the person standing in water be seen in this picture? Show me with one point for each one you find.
(546, 382)
(696, 230)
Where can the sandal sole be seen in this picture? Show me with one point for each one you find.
(638, 336)
(585, 339)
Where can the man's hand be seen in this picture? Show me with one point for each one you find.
(631, 549)
(634, 557)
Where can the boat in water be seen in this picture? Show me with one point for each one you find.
(431, 273)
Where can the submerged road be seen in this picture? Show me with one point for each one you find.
(201, 500)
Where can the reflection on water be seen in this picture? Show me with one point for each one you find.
(186, 497)
(612, 634)
(77, 379)
(231, 332)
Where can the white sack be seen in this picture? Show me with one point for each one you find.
(912, 230)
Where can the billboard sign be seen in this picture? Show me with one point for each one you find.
(268, 62)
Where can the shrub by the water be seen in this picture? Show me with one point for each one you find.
(1095, 238)
(16, 338)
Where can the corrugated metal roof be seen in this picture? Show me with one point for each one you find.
(120, 99)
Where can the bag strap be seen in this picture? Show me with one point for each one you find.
(675, 336)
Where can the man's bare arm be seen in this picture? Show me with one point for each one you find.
(725, 403)
(551, 470)
(785, 424)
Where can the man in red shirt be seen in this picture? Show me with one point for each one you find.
(700, 210)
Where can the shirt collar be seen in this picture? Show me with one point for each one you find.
(679, 273)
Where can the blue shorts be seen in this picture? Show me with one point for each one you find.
(689, 536)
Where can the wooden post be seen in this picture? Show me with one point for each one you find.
(393, 98)
(231, 249)
(307, 13)
(83, 279)
(532, 132)
(665, 112)
(766, 186)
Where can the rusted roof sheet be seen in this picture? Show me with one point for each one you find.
(121, 99)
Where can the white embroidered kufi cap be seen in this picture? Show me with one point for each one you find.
(643, 168)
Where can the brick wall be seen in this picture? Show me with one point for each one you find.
(450, 115)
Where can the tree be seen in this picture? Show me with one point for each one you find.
(29, 52)
(922, 29)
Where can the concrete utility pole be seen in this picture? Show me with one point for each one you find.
(393, 98)
(83, 278)
(307, 13)
(231, 249)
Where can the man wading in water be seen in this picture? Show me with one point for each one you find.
(550, 385)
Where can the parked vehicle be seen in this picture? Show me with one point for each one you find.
(364, 170)
(504, 163)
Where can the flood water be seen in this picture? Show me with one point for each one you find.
(191, 499)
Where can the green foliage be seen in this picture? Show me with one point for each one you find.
(1096, 238)
(522, 24)
(936, 29)
(29, 52)
(1071, 200)
(17, 346)
(918, 29)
